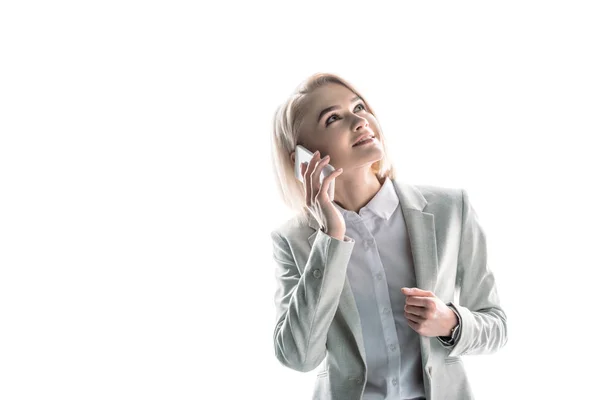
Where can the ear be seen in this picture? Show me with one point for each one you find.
(293, 156)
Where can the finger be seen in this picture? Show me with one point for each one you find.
(329, 180)
(418, 301)
(310, 165)
(415, 319)
(316, 176)
(309, 172)
(307, 176)
(303, 168)
(416, 292)
(415, 326)
(420, 312)
(413, 310)
(318, 167)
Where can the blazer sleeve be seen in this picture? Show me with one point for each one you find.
(306, 303)
(483, 321)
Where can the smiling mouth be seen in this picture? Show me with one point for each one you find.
(372, 138)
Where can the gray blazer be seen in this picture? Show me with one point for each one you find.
(317, 321)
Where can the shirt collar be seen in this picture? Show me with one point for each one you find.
(382, 204)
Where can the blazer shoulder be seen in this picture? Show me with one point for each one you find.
(441, 196)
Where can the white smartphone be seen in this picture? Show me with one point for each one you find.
(303, 155)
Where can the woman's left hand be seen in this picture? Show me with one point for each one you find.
(427, 314)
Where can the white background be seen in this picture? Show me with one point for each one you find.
(137, 197)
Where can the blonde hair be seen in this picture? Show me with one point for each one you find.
(285, 135)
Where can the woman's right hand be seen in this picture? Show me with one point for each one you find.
(317, 198)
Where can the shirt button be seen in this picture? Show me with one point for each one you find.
(379, 275)
(385, 310)
(392, 347)
(317, 273)
(395, 381)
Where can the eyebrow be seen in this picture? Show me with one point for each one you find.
(326, 110)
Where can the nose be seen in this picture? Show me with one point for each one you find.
(360, 123)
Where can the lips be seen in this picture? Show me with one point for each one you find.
(367, 136)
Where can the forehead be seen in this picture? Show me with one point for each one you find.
(329, 95)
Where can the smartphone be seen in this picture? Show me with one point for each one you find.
(304, 155)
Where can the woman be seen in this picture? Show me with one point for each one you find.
(385, 285)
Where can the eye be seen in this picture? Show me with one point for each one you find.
(335, 115)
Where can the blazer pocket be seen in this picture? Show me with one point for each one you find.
(452, 360)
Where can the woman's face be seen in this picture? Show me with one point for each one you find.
(334, 131)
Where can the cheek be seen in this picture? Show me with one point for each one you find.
(374, 125)
(336, 154)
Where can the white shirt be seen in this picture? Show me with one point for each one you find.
(380, 265)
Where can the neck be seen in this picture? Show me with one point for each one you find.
(353, 193)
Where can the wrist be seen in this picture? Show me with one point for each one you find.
(337, 235)
(452, 322)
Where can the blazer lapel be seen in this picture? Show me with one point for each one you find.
(421, 232)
